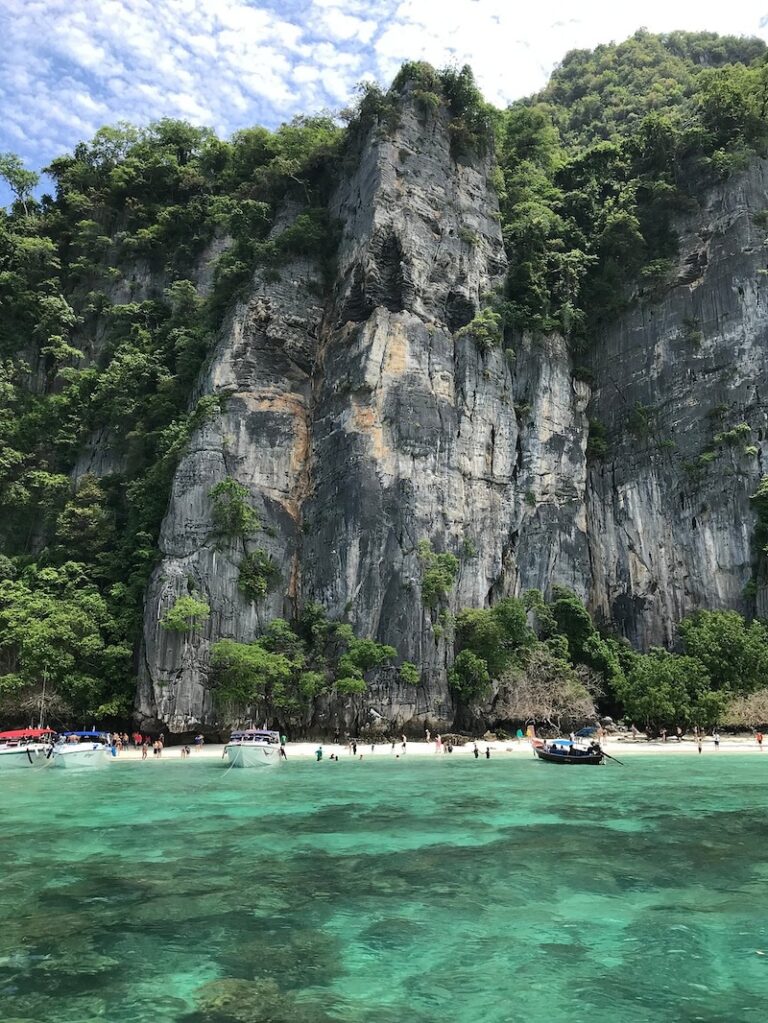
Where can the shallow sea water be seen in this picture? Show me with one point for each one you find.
(394, 891)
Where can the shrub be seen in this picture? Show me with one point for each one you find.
(350, 686)
(410, 674)
(485, 329)
(258, 575)
(438, 573)
(427, 102)
(233, 515)
(186, 615)
(597, 439)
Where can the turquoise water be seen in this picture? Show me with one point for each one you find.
(407, 890)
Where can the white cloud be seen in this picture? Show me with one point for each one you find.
(342, 26)
(71, 65)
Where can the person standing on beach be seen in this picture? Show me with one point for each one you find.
(698, 742)
(354, 748)
(475, 752)
(663, 735)
(428, 735)
(144, 748)
(487, 752)
(716, 739)
(759, 737)
(679, 734)
(403, 745)
(319, 753)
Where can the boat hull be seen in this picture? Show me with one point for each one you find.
(82, 755)
(252, 755)
(21, 757)
(564, 758)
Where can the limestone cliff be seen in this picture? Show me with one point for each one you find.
(363, 421)
(681, 388)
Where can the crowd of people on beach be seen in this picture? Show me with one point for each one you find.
(352, 745)
(699, 735)
(121, 741)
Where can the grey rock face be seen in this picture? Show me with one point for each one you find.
(261, 438)
(368, 425)
(364, 421)
(671, 531)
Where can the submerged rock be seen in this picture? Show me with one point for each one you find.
(240, 1001)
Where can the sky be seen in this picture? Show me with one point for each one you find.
(70, 66)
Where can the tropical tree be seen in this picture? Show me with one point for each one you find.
(734, 652)
(20, 180)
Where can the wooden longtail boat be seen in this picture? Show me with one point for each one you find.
(563, 751)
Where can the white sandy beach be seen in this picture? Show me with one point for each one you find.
(619, 746)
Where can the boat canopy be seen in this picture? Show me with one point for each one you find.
(26, 733)
(84, 735)
(255, 733)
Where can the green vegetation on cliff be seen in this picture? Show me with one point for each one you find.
(597, 164)
(291, 664)
(104, 328)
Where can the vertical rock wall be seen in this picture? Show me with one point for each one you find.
(670, 521)
(369, 424)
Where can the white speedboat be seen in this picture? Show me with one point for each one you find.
(81, 749)
(255, 747)
(22, 747)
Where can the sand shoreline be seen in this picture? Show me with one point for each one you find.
(615, 746)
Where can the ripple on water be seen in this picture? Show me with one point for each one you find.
(364, 891)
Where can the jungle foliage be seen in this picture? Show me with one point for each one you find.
(549, 653)
(103, 331)
(595, 167)
(292, 663)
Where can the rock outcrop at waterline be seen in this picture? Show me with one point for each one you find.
(363, 420)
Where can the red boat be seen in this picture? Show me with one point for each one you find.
(22, 747)
(25, 733)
